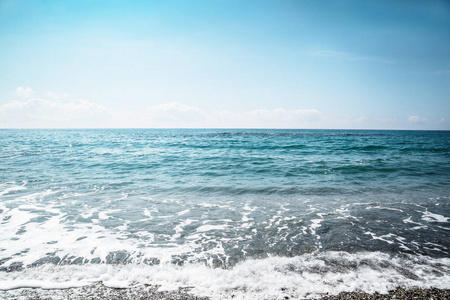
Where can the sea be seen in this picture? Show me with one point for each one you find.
(227, 213)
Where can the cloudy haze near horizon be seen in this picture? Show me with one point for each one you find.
(225, 64)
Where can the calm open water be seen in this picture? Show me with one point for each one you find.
(243, 213)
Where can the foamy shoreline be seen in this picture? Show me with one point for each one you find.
(149, 292)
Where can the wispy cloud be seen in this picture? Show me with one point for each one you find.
(416, 119)
(349, 56)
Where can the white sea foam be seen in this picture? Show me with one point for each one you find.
(32, 234)
(383, 238)
(104, 214)
(205, 228)
(384, 207)
(315, 224)
(88, 212)
(180, 228)
(309, 275)
(183, 212)
(247, 210)
(430, 217)
(147, 213)
(408, 220)
(12, 189)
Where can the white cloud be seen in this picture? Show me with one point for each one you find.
(415, 119)
(25, 92)
(59, 111)
(63, 113)
(42, 113)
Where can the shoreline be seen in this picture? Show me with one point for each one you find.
(150, 292)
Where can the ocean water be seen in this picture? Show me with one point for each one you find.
(242, 214)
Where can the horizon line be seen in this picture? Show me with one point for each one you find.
(216, 128)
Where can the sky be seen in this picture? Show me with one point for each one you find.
(348, 64)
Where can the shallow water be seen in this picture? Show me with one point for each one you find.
(249, 213)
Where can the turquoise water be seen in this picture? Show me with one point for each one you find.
(313, 207)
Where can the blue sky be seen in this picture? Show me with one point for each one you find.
(252, 64)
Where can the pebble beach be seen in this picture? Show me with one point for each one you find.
(149, 292)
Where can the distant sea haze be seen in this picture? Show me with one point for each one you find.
(248, 214)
